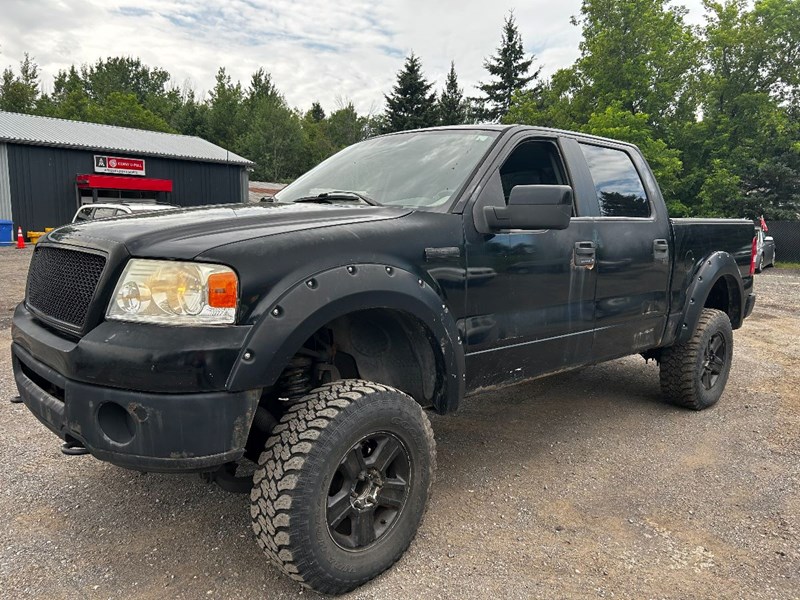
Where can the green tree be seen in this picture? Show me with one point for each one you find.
(749, 129)
(317, 146)
(124, 109)
(509, 72)
(19, 93)
(317, 113)
(224, 120)
(452, 105)
(69, 99)
(410, 105)
(640, 54)
(271, 133)
(124, 74)
(191, 116)
(557, 103)
(345, 126)
(720, 190)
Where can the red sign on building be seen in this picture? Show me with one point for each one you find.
(118, 165)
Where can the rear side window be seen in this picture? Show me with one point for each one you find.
(620, 192)
(103, 212)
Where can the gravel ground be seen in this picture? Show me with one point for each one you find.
(579, 485)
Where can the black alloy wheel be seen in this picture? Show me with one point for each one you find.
(368, 491)
(342, 484)
(693, 374)
(716, 358)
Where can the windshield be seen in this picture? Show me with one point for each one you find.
(419, 169)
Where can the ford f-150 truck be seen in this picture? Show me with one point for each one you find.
(309, 334)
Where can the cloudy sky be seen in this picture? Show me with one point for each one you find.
(315, 50)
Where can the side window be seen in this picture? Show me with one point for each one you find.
(84, 214)
(103, 212)
(620, 192)
(532, 163)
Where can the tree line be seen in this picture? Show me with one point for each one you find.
(715, 108)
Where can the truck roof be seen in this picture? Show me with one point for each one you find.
(507, 129)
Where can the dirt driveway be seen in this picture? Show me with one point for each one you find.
(575, 486)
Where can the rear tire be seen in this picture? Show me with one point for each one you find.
(342, 484)
(694, 374)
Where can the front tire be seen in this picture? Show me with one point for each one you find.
(342, 484)
(694, 374)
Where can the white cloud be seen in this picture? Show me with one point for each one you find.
(315, 50)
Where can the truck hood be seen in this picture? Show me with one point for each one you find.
(185, 233)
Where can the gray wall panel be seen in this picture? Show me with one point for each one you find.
(42, 182)
(5, 185)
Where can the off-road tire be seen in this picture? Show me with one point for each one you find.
(291, 495)
(683, 366)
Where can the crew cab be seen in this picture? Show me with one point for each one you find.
(309, 335)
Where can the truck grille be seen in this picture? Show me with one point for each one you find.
(61, 283)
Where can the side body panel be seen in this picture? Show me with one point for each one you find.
(705, 250)
(414, 265)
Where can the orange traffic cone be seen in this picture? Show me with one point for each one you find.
(20, 239)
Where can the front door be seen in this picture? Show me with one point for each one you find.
(530, 306)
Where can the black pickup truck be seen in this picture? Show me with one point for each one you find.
(307, 334)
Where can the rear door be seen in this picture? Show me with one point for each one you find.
(632, 254)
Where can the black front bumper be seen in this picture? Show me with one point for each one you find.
(191, 428)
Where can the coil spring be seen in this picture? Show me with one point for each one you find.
(295, 381)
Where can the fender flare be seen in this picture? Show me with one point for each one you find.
(713, 268)
(310, 304)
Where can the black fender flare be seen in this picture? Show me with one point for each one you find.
(319, 299)
(713, 267)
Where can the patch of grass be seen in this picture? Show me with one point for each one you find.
(787, 265)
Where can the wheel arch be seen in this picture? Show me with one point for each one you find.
(716, 284)
(305, 308)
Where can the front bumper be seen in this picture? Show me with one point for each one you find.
(150, 400)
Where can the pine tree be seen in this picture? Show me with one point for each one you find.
(452, 106)
(224, 119)
(509, 69)
(20, 93)
(411, 105)
(317, 113)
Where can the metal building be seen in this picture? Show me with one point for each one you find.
(50, 167)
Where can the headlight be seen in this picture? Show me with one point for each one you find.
(175, 293)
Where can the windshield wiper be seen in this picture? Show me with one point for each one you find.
(329, 197)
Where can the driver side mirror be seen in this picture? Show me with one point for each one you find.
(533, 207)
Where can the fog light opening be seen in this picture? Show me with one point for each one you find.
(116, 423)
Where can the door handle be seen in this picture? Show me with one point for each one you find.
(583, 255)
(661, 250)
